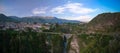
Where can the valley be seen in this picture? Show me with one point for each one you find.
(33, 35)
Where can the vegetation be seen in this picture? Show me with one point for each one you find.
(29, 42)
(99, 43)
(105, 22)
(93, 37)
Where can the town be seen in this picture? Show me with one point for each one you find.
(22, 26)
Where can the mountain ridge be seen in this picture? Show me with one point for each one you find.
(39, 19)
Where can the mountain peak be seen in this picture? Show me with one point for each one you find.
(2, 15)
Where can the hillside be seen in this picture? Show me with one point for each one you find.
(105, 22)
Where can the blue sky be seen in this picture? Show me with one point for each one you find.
(82, 10)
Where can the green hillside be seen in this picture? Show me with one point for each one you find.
(105, 22)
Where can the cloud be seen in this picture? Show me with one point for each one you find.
(78, 8)
(58, 10)
(75, 8)
(83, 18)
(74, 11)
(39, 11)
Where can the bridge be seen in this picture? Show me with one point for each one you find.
(61, 34)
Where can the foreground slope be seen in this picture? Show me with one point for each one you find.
(105, 22)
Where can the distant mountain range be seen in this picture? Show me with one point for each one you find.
(105, 22)
(39, 19)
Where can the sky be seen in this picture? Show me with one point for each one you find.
(81, 10)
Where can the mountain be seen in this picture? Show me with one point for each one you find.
(47, 19)
(4, 18)
(15, 18)
(32, 19)
(42, 17)
(105, 22)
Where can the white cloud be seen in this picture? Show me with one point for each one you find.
(78, 8)
(74, 11)
(83, 18)
(75, 8)
(58, 10)
(39, 11)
